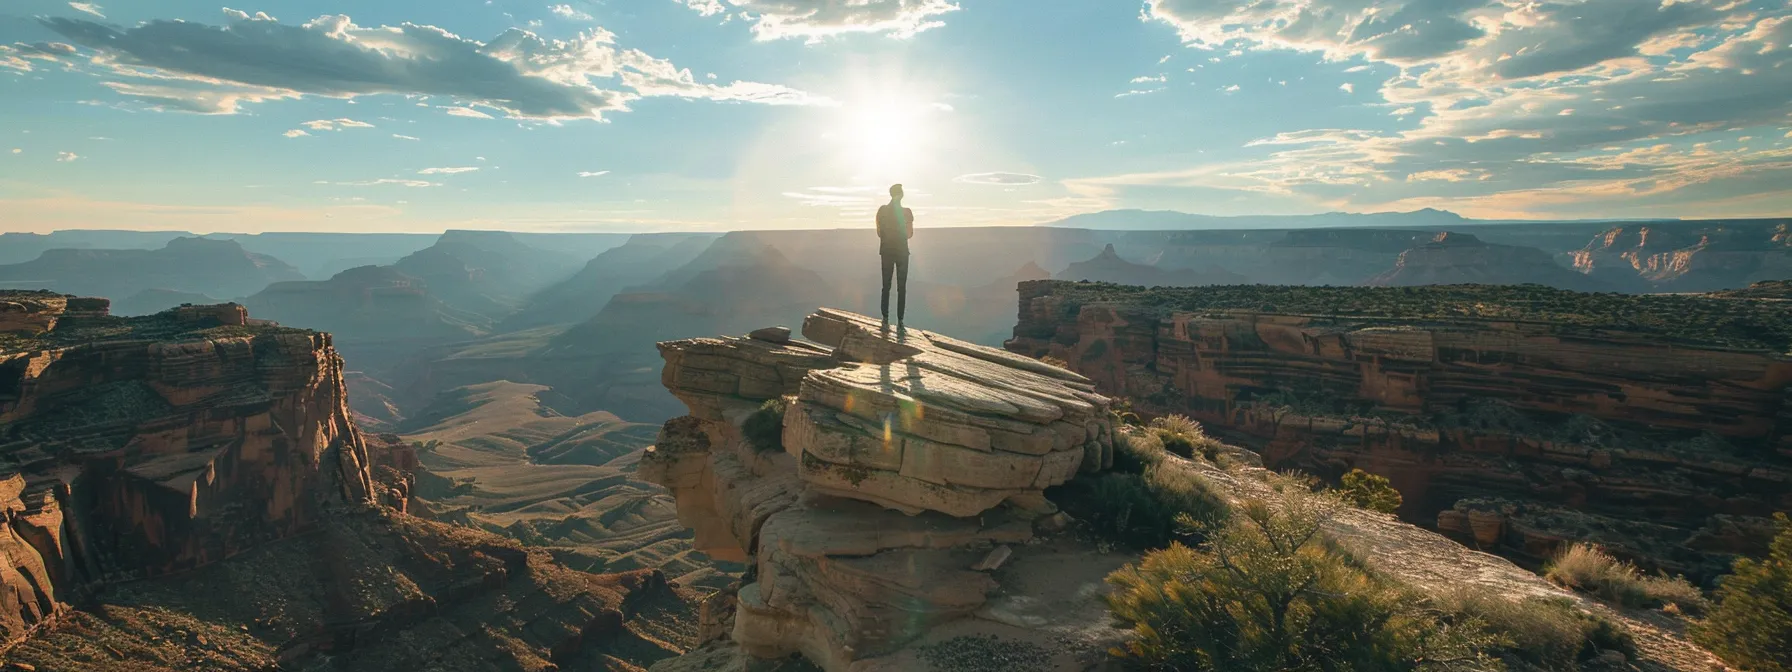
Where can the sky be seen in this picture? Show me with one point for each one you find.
(648, 115)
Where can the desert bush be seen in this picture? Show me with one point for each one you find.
(1264, 593)
(1589, 569)
(1548, 633)
(1369, 491)
(1184, 437)
(1056, 361)
(1120, 411)
(1168, 502)
(1751, 626)
(764, 429)
(1135, 450)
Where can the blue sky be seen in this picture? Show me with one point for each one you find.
(636, 115)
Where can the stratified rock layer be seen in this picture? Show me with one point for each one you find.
(908, 460)
(145, 446)
(1654, 424)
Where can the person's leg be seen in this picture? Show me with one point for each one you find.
(889, 265)
(901, 288)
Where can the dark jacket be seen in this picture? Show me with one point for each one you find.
(891, 234)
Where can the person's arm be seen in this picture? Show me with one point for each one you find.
(911, 222)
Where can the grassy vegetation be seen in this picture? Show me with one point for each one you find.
(764, 429)
(1751, 627)
(1369, 491)
(1266, 593)
(1257, 586)
(1730, 321)
(1589, 569)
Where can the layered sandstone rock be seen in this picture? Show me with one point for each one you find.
(904, 498)
(145, 446)
(1642, 422)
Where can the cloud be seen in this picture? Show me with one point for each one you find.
(1514, 102)
(382, 182)
(1138, 92)
(65, 157)
(998, 179)
(593, 173)
(403, 137)
(195, 67)
(817, 20)
(1347, 87)
(567, 12)
(16, 150)
(335, 124)
(1159, 79)
(88, 8)
(20, 55)
(466, 112)
(295, 133)
(445, 171)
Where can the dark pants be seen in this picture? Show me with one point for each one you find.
(899, 264)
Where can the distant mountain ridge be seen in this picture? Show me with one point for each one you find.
(220, 268)
(1171, 220)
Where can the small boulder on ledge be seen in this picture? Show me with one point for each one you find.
(771, 335)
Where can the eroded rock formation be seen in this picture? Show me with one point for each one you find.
(903, 503)
(144, 446)
(1518, 418)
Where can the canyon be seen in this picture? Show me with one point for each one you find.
(156, 467)
(1516, 419)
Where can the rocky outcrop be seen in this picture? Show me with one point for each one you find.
(1695, 256)
(905, 496)
(1513, 417)
(1458, 258)
(145, 446)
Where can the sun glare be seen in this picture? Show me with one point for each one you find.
(883, 140)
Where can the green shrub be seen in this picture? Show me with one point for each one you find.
(1751, 627)
(1168, 502)
(1184, 437)
(1264, 594)
(1589, 569)
(1135, 451)
(1369, 491)
(1549, 633)
(764, 429)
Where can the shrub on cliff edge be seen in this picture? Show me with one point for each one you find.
(1589, 569)
(1136, 450)
(1184, 437)
(1168, 502)
(1368, 491)
(1751, 627)
(1266, 593)
(764, 429)
(1549, 633)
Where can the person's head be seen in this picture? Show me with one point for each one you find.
(895, 191)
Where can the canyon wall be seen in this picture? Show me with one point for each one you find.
(1514, 418)
(148, 446)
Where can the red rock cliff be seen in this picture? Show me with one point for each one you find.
(1512, 417)
(144, 446)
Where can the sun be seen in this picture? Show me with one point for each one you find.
(884, 139)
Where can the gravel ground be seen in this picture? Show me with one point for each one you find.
(984, 653)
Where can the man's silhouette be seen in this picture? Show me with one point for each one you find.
(895, 225)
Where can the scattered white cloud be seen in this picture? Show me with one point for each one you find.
(1347, 87)
(817, 20)
(567, 12)
(16, 150)
(66, 157)
(335, 124)
(446, 171)
(89, 8)
(1138, 92)
(1150, 79)
(1356, 68)
(593, 173)
(1165, 59)
(403, 137)
(1230, 89)
(195, 67)
(998, 179)
(382, 182)
(466, 112)
(295, 133)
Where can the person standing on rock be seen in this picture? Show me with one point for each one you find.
(895, 225)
